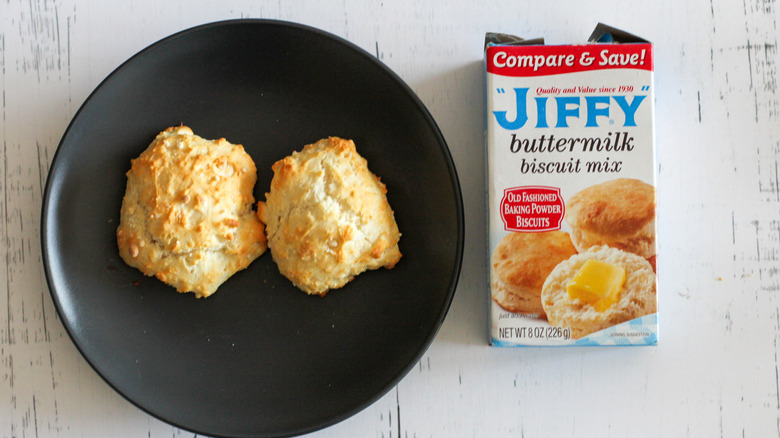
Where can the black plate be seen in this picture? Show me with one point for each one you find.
(258, 358)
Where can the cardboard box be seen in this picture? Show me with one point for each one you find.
(571, 191)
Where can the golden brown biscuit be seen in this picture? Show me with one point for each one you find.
(651, 260)
(327, 217)
(520, 264)
(187, 213)
(619, 213)
(637, 297)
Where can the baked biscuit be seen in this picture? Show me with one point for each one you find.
(187, 213)
(619, 213)
(327, 217)
(520, 264)
(636, 298)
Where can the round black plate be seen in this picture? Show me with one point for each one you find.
(258, 358)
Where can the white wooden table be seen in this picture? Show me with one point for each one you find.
(715, 372)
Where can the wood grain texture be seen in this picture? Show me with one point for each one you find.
(715, 372)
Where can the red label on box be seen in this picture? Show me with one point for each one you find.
(532, 209)
(552, 60)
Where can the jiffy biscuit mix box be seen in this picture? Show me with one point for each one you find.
(571, 192)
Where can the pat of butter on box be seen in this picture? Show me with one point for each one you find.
(597, 283)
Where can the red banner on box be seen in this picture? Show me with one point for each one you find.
(550, 60)
(532, 209)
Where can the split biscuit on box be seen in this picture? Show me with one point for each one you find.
(635, 297)
(187, 214)
(327, 217)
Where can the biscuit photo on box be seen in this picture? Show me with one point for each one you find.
(599, 288)
(521, 263)
(327, 217)
(619, 213)
(187, 214)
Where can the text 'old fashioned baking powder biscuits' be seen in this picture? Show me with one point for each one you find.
(571, 191)
(187, 216)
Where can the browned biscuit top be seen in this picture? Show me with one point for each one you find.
(524, 260)
(187, 215)
(327, 217)
(621, 206)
